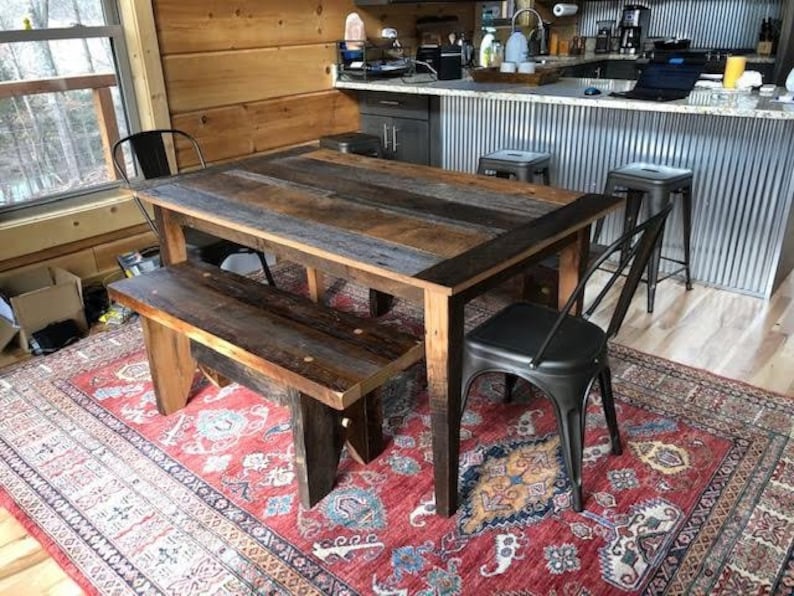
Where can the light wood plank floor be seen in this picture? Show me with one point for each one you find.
(735, 336)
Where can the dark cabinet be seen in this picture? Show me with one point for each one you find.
(403, 139)
(602, 69)
(620, 69)
(402, 122)
(590, 70)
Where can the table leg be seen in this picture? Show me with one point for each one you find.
(573, 263)
(173, 248)
(171, 365)
(314, 279)
(443, 349)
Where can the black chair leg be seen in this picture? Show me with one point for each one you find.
(510, 383)
(608, 401)
(571, 425)
(266, 268)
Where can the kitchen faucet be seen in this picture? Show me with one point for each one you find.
(539, 30)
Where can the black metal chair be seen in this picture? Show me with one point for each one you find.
(561, 354)
(149, 151)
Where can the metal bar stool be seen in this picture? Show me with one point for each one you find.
(353, 142)
(660, 184)
(523, 165)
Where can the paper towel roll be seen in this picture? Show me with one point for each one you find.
(564, 10)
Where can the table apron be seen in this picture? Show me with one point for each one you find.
(370, 280)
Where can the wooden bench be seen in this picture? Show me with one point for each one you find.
(331, 363)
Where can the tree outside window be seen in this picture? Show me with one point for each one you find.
(62, 69)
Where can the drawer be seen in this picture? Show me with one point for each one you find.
(398, 105)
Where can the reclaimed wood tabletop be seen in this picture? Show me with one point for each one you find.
(437, 237)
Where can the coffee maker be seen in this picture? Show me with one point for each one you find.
(603, 36)
(634, 26)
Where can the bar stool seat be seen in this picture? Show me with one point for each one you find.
(359, 143)
(659, 183)
(522, 165)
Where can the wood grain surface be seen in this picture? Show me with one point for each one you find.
(333, 356)
(447, 234)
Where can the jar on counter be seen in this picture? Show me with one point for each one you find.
(497, 54)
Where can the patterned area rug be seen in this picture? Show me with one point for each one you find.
(204, 501)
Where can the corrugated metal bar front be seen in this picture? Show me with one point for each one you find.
(742, 189)
(709, 23)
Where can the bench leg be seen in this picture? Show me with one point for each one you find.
(171, 364)
(379, 303)
(364, 423)
(317, 435)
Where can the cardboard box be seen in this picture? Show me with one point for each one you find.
(39, 297)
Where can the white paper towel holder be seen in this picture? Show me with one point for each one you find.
(564, 10)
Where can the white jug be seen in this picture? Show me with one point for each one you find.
(790, 81)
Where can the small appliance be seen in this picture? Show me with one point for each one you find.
(634, 25)
(604, 36)
(446, 60)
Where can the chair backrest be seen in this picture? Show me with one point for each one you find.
(149, 151)
(640, 243)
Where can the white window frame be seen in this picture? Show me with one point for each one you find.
(115, 34)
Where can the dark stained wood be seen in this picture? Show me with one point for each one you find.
(498, 188)
(333, 356)
(363, 278)
(362, 235)
(518, 244)
(313, 237)
(341, 181)
(318, 439)
(444, 328)
(363, 423)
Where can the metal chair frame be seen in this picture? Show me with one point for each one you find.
(149, 152)
(561, 354)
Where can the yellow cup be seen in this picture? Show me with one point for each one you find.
(734, 67)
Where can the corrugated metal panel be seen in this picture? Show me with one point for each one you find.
(709, 23)
(742, 191)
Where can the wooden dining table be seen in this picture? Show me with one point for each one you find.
(435, 237)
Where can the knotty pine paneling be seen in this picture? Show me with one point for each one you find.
(252, 75)
(208, 80)
(215, 25)
(248, 128)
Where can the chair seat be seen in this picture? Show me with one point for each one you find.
(575, 345)
(518, 157)
(649, 175)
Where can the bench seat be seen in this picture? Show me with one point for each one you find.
(331, 362)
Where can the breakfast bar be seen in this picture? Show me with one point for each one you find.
(738, 145)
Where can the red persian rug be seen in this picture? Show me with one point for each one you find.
(204, 501)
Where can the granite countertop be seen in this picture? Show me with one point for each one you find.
(570, 91)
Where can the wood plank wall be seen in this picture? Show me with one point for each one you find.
(246, 76)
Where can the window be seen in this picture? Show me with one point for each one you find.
(63, 69)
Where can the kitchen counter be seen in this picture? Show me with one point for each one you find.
(738, 146)
(593, 57)
(568, 91)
